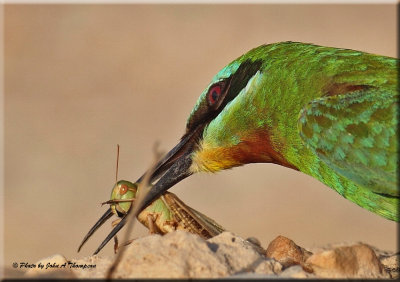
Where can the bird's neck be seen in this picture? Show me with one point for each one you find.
(254, 147)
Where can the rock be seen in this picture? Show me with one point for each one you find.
(242, 256)
(296, 271)
(391, 263)
(356, 261)
(253, 241)
(288, 253)
(55, 266)
(91, 267)
(175, 255)
(184, 255)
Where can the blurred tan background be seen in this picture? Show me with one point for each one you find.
(82, 78)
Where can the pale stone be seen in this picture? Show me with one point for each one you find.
(295, 271)
(357, 261)
(183, 255)
(242, 256)
(101, 265)
(176, 255)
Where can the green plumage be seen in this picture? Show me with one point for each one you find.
(331, 113)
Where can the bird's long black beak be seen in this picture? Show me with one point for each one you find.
(112, 234)
(172, 168)
(96, 226)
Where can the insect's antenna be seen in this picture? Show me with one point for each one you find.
(116, 169)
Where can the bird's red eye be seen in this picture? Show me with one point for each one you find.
(213, 94)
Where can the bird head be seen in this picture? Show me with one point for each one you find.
(227, 127)
(214, 135)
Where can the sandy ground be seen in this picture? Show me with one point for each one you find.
(81, 78)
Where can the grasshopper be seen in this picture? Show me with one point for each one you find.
(166, 214)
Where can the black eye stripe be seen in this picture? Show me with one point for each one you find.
(229, 88)
(240, 79)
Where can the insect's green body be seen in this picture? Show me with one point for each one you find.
(330, 113)
(166, 214)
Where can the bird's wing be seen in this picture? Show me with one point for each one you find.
(356, 135)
